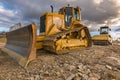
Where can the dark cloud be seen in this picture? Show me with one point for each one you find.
(117, 28)
(99, 13)
(92, 13)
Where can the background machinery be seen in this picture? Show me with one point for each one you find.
(104, 38)
(59, 33)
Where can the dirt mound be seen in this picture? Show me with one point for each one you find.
(95, 63)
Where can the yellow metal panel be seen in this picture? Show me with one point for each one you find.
(54, 22)
(100, 37)
(70, 43)
(39, 41)
(39, 45)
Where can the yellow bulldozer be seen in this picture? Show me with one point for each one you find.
(104, 38)
(59, 33)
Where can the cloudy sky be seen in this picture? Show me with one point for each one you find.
(95, 13)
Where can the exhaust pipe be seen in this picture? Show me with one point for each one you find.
(51, 8)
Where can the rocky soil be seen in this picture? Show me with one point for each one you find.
(95, 63)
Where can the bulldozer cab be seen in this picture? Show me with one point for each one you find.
(51, 23)
(62, 20)
(104, 30)
(70, 14)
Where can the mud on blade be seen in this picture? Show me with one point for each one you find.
(21, 44)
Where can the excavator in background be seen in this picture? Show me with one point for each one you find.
(59, 33)
(104, 38)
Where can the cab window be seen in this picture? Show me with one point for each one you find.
(42, 24)
(104, 30)
(68, 16)
(76, 14)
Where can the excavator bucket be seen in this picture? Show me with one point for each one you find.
(21, 44)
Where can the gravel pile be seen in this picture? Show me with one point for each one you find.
(95, 63)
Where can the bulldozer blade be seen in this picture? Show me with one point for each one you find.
(21, 44)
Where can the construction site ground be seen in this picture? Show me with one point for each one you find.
(95, 63)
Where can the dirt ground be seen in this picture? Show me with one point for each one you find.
(95, 63)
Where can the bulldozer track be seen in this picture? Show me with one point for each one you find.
(49, 41)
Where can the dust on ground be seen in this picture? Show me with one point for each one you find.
(95, 63)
